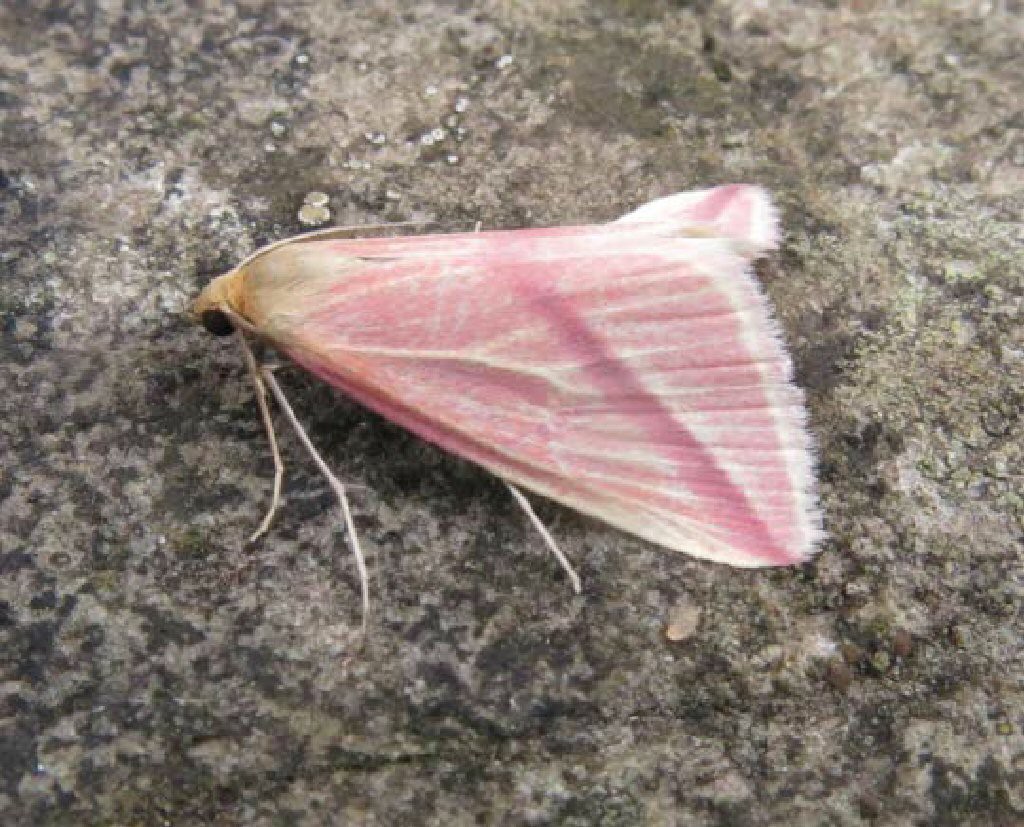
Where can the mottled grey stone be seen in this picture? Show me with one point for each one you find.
(154, 671)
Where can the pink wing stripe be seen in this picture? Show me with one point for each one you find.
(697, 469)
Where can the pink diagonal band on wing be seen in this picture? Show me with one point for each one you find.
(696, 466)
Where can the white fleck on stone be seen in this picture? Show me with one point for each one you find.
(314, 216)
(683, 619)
(317, 199)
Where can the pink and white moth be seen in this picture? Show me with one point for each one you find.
(629, 370)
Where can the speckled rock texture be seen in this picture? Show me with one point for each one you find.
(157, 670)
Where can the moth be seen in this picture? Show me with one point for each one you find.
(631, 370)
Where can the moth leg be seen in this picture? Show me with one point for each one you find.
(336, 486)
(548, 539)
(242, 325)
(544, 533)
(279, 465)
(268, 424)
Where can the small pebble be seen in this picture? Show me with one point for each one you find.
(317, 199)
(314, 216)
(683, 620)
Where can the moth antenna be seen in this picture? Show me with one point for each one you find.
(331, 232)
(548, 539)
(268, 424)
(339, 492)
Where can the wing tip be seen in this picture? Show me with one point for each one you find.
(764, 231)
(743, 213)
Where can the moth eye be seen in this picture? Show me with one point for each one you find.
(217, 322)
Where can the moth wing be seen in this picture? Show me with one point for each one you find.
(631, 372)
(739, 214)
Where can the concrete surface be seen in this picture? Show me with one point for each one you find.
(153, 671)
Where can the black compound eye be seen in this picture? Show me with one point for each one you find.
(217, 322)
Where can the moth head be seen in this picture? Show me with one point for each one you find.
(209, 308)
